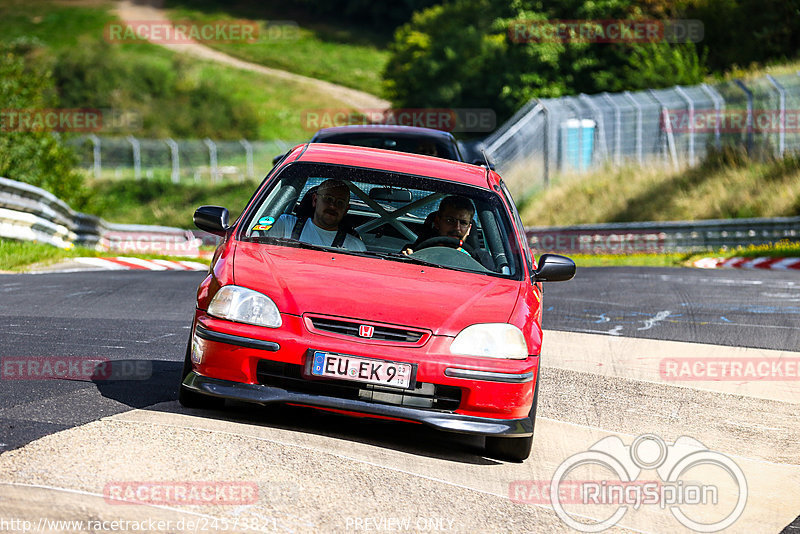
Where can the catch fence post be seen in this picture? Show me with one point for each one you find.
(749, 94)
(782, 116)
(690, 104)
(248, 149)
(174, 155)
(96, 155)
(212, 158)
(137, 157)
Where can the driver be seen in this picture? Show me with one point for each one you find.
(453, 219)
(330, 202)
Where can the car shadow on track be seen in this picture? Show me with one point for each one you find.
(153, 384)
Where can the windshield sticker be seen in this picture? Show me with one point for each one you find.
(264, 223)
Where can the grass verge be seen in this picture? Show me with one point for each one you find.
(161, 202)
(728, 184)
(152, 91)
(345, 56)
(19, 256)
(782, 249)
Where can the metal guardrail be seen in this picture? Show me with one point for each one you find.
(666, 236)
(30, 213)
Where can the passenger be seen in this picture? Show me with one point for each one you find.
(324, 227)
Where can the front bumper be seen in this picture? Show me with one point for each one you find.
(451, 422)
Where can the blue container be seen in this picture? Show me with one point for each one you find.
(577, 144)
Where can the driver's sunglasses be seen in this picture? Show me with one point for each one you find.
(334, 201)
(453, 221)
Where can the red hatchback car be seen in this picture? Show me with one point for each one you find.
(343, 287)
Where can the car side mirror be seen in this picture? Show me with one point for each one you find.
(212, 219)
(554, 268)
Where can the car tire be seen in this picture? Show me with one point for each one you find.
(515, 449)
(189, 398)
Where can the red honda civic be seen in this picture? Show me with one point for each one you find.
(375, 283)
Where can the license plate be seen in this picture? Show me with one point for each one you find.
(366, 370)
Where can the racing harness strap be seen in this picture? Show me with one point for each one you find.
(338, 241)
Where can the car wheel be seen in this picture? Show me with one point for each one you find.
(515, 449)
(190, 398)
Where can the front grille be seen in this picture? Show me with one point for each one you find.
(382, 333)
(289, 376)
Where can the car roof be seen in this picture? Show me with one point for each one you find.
(394, 129)
(402, 162)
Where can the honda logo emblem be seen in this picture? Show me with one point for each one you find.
(366, 330)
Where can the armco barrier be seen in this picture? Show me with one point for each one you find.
(667, 236)
(30, 213)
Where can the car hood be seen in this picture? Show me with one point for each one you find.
(303, 281)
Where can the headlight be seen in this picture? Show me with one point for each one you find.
(491, 340)
(245, 306)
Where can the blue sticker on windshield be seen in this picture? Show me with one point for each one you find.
(266, 220)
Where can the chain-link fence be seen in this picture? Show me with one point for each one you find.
(176, 160)
(674, 127)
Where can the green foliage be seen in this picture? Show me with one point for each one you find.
(35, 157)
(159, 201)
(471, 53)
(652, 63)
(167, 93)
(741, 32)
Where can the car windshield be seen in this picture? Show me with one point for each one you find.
(396, 217)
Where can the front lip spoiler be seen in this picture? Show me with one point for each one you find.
(451, 422)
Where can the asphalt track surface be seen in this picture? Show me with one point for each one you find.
(64, 441)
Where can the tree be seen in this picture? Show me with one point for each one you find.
(477, 53)
(36, 157)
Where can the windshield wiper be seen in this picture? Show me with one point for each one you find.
(395, 256)
(270, 240)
